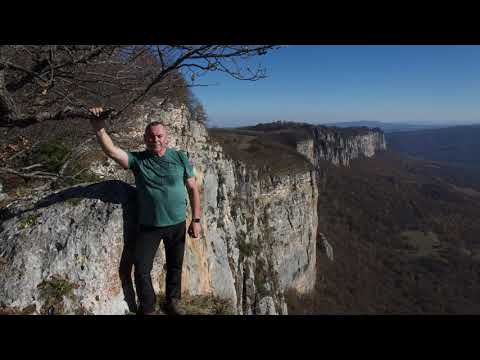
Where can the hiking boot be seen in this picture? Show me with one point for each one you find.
(153, 312)
(172, 307)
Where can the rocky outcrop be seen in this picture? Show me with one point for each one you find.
(340, 146)
(307, 148)
(325, 247)
(70, 251)
(258, 232)
(78, 235)
(3, 196)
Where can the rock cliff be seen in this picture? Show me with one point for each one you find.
(69, 250)
(340, 146)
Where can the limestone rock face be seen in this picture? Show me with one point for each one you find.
(78, 235)
(307, 148)
(3, 196)
(258, 236)
(326, 247)
(339, 147)
(258, 230)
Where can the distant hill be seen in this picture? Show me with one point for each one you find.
(300, 129)
(386, 127)
(458, 145)
(404, 231)
(404, 234)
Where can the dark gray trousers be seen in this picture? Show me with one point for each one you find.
(146, 247)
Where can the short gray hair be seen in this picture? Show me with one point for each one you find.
(153, 123)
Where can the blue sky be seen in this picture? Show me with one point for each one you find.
(322, 84)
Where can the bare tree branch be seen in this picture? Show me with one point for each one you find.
(34, 175)
(67, 113)
(38, 82)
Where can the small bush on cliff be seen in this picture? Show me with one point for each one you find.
(203, 305)
(52, 292)
(51, 155)
(246, 249)
(27, 221)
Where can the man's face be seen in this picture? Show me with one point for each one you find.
(156, 138)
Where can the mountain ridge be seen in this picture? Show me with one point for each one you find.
(456, 145)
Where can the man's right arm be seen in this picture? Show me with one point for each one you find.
(114, 152)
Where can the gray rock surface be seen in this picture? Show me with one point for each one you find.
(77, 234)
(266, 306)
(340, 148)
(325, 247)
(258, 231)
(3, 196)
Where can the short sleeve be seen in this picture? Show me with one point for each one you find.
(188, 169)
(132, 160)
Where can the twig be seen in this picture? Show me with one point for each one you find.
(31, 166)
(42, 187)
(78, 173)
(15, 155)
(63, 114)
(34, 175)
(22, 151)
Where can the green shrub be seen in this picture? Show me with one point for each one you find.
(203, 305)
(27, 221)
(53, 291)
(52, 155)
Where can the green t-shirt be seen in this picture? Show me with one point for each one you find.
(160, 184)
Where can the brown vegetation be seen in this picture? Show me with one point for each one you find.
(405, 242)
(269, 153)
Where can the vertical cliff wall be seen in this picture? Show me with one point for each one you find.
(68, 249)
(258, 231)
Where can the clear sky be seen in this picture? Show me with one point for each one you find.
(322, 84)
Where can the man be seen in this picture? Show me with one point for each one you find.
(161, 174)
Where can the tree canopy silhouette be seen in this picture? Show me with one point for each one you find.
(57, 82)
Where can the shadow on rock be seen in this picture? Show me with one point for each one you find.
(111, 191)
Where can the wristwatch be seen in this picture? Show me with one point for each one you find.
(196, 220)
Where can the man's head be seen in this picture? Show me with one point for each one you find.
(156, 137)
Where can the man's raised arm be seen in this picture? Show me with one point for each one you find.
(112, 151)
